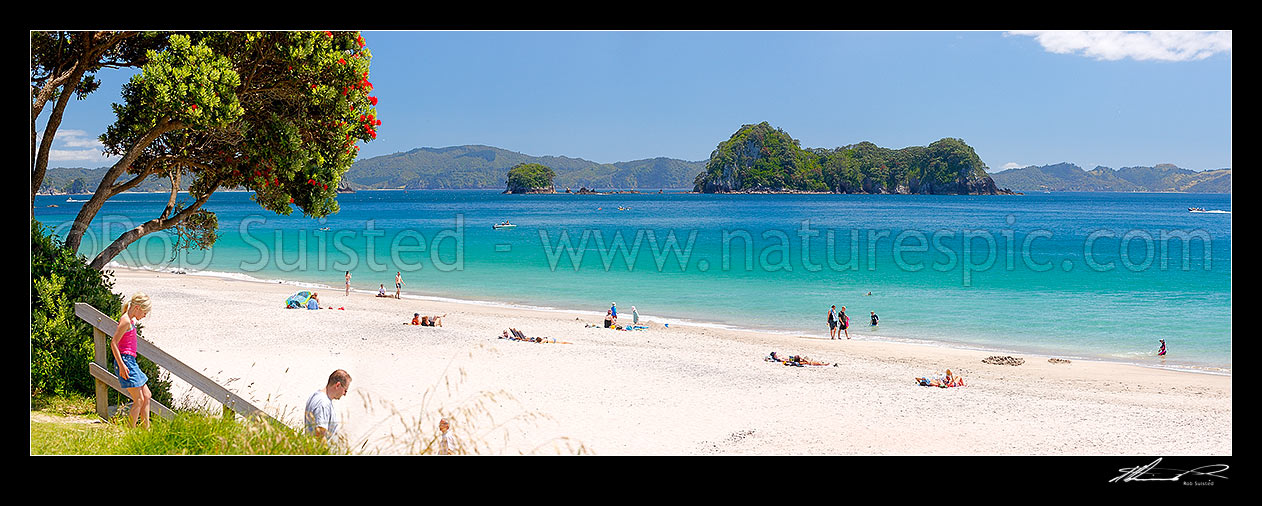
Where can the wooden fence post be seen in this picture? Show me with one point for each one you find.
(100, 343)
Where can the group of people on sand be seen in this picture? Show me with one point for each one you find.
(398, 286)
(948, 380)
(839, 322)
(611, 316)
(427, 321)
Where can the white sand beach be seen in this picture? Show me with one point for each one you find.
(682, 390)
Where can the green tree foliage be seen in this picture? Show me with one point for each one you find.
(61, 343)
(64, 64)
(529, 176)
(277, 113)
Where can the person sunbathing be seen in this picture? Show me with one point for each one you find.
(947, 381)
(517, 335)
(796, 360)
(427, 321)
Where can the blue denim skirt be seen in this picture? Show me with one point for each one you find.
(135, 378)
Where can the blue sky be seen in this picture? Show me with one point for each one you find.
(1090, 98)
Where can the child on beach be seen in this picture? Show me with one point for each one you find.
(124, 347)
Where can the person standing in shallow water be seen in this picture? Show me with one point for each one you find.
(398, 284)
(348, 283)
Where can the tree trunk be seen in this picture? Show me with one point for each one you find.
(50, 131)
(106, 189)
(148, 227)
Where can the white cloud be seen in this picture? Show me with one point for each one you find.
(70, 145)
(75, 155)
(1117, 45)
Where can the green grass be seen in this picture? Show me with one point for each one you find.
(69, 426)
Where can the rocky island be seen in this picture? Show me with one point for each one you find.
(762, 159)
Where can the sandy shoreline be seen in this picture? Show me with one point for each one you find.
(681, 390)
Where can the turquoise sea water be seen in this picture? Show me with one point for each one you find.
(1075, 275)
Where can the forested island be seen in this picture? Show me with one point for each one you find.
(762, 159)
(530, 178)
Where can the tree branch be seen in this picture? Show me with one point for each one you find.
(148, 227)
(103, 190)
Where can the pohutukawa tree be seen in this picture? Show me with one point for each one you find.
(64, 65)
(277, 113)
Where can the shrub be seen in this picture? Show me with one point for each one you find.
(61, 344)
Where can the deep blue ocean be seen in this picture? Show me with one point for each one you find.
(1074, 275)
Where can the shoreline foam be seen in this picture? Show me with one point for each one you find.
(923, 341)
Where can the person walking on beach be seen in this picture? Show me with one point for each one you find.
(348, 283)
(124, 348)
(446, 442)
(319, 416)
(832, 322)
(398, 284)
(613, 312)
(843, 321)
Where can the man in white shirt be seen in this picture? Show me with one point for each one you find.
(320, 417)
(446, 442)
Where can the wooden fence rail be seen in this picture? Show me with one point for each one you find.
(103, 328)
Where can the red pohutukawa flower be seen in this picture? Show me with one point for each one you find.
(372, 100)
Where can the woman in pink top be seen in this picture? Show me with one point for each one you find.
(124, 347)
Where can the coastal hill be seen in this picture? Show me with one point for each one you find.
(760, 158)
(477, 166)
(1070, 177)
